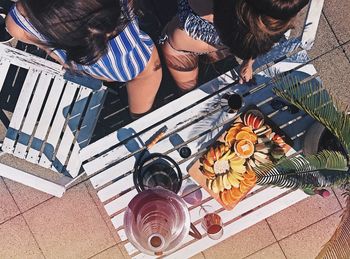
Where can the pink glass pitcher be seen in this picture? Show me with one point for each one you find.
(157, 220)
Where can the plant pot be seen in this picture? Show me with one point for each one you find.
(318, 138)
(4, 35)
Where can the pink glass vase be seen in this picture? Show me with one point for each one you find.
(156, 221)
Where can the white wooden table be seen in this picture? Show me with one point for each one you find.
(109, 162)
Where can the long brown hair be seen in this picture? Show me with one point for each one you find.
(251, 27)
(80, 27)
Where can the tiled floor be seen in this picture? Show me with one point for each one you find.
(36, 225)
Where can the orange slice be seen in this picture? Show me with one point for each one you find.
(243, 135)
(247, 129)
(227, 198)
(237, 125)
(224, 197)
(235, 193)
(244, 148)
(249, 177)
(249, 182)
(231, 136)
(243, 187)
(253, 137)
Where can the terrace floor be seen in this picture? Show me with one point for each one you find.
(36, 225)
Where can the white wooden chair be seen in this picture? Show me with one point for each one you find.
(53, 119)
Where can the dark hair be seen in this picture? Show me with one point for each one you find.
(251, 27)
(80, 27)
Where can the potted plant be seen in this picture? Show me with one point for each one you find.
(326, 163)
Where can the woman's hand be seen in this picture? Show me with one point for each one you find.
(246, 71)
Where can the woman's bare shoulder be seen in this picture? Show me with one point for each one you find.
(15, 30)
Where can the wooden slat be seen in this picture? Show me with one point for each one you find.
(85, 133)
(57, 126)
(120, 203)
(26, 60)
(4, 67)
(46, 117)
(311, 24)
(275, 55)
(31, 180)
(32, 115)
(70, 130)
(19, 112)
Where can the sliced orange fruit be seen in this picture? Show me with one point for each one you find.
(235, 193)
(231, 136)
(247, 129)
(243, 135)
(244, 148)
(249, 177)
(237, 125)
(253, 137)
(224, 197)
(227, 198)
(243, 187)
(249, 182)
(251, 173)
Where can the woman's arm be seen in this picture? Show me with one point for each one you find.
(246, 71)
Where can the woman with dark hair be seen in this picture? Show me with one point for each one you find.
(100, 38)
(218, 28)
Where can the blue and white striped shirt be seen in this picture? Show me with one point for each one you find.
(127, 54)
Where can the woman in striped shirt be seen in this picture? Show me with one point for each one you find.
(100, 38)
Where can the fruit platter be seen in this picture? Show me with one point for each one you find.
(226, 169)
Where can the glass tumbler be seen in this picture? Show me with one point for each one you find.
(211, 222)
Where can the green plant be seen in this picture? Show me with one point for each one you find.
(323, 169)
(314, 100)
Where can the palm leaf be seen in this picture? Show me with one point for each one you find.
(338, 247)
(325, 169)
(315, 101)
